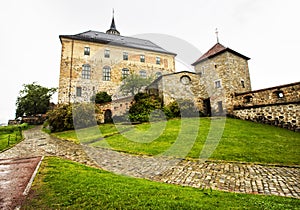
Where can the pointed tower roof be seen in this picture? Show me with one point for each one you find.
(216, 50)
(113, 29)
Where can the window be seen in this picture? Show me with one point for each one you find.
(217, 84)
(202, 70)
(248, 99)
(142, 58)
(185, 80)
(86, 71)
(125, 73)
(158, 74)
(158, 60)
(106, 73)
(243, 83)
(86, 51)
(279, 94)
(106, 53)
(78, 91)
(143, 74)
(125, 56)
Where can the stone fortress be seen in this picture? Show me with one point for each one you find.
(95, 61)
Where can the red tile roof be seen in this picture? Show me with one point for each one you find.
(216, 50)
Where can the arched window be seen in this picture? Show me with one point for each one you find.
(185, 80)
(248, 99)
(86, 71)
(106, 73)
(143, 74)
(125, 73)
(158, 74)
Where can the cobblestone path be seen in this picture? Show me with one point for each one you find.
(38, 143)
(233, 177)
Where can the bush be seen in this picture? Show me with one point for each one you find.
(67, 117)
(60, 118)
(12, 128)
(182, 108)
(143, 106)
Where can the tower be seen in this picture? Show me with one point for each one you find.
(223, 72)
(113, 29)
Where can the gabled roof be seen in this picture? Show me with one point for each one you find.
(117, 40)
(216, 50)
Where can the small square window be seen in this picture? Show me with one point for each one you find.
(218, 84)
(106, 53)
(158, 60)
(78, 91)
(142, 58)
(279, 94)
(86, 51)
(125, 56)
(143, 74)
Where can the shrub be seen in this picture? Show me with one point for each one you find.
(181, 108)
(67, 117)
(143, 106)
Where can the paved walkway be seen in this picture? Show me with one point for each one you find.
(234, 177)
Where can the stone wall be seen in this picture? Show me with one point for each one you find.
(273, 95)
(117, 108)
(282, 115)
(278, 106)
(73, 59)
(180, 85)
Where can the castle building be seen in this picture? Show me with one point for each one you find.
(94, 61)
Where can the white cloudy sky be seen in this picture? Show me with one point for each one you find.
(267, 31)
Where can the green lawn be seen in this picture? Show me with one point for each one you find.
(10, 135)
(62, 184)
(241, 140)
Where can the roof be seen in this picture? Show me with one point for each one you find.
(117, 40)
(216, 50)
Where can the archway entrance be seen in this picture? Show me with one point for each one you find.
(107, 116)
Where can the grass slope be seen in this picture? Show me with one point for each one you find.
(241, 140)
(62, 184)
(11, 135)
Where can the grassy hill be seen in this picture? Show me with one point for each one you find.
(228, 139)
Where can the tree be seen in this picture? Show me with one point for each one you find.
(142, 107)
(134, 83)
(101, 97)
(33, 99)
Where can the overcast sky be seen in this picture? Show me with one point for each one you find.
(267, 31)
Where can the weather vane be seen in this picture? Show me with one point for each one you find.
(217, 33)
